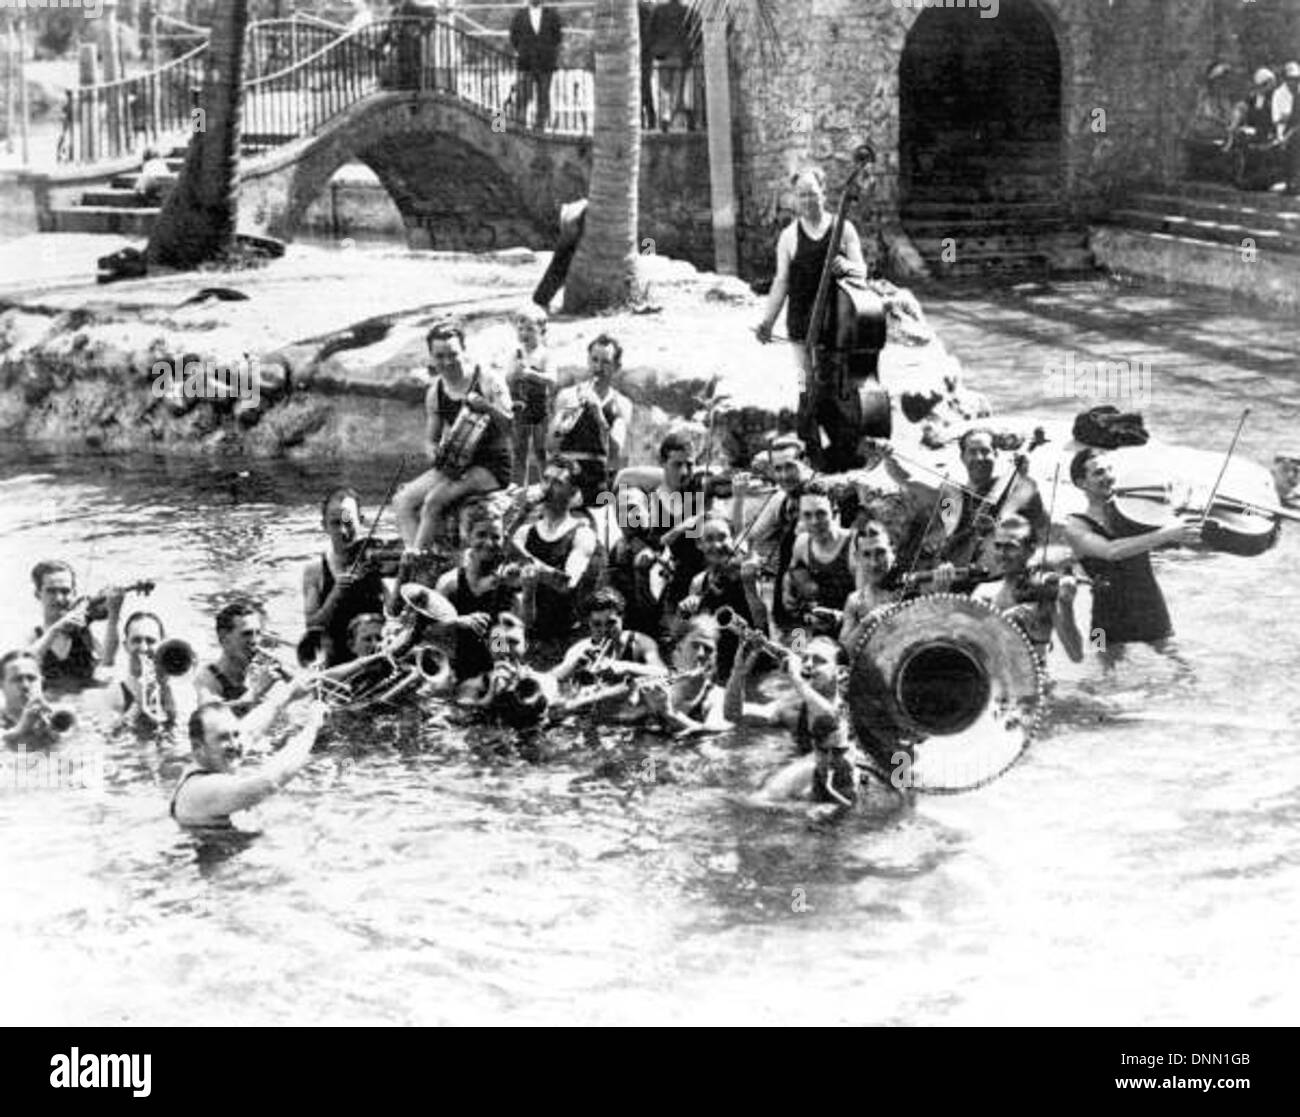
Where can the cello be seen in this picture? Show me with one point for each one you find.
(1231, 523)
(846, 331)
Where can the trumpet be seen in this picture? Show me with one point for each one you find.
(727, 618)
(174, 658)
(61, 719)
(54, 721)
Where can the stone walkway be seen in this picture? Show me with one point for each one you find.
(1206, 357)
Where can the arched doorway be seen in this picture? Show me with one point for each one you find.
(979, 108)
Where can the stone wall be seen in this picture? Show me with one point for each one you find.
(458, 183)
(837, 84)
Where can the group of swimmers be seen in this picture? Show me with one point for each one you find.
(627, 593)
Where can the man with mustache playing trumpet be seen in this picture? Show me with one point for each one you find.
(28, 720)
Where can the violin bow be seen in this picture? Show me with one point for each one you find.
(1209, 503)
(1051, 513)
(374, 524)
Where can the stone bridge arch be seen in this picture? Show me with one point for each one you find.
(458, 181)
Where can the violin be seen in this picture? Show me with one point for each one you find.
(379, 555)
(97, 607)
(1231, 525)
(846, 331)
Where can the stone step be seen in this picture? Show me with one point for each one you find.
(116, 198)
(1223, 212)
(121, 221)
(261, 141)
(945, 209)
(1271, 278)
(131, 179)
(1264, 200)
(965, 229)
(1217, 232)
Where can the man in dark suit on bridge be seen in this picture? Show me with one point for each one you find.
(535, 37)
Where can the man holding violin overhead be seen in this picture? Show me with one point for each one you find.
(27, 720)
(958, 544)
(342, 583)
(1127, 604)
(63, 644)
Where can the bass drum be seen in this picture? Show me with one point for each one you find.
(952, 685)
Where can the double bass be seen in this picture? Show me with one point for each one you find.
(846, 332)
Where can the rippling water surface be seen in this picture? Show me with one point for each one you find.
(1146, 872)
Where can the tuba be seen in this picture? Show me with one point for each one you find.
(945, 693)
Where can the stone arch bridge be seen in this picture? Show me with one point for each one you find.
(462, 180)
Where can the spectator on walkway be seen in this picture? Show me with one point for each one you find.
(645, 14)
(1255, 138)
(1286, 118)
(535, 36)
(674, 36)
(1214, 121)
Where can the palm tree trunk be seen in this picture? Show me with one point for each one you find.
(198, 222)
(604, 270)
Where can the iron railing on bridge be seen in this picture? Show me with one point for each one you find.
(404, 54)
(416, 54)
(115, 119)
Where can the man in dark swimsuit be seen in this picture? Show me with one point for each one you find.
(239, 677)
(144, 694)
(1127, 605)
(821, 576)
(479, 589)
(63, 644)
(728, 580)
(560, 548)
(609, 653)
(777, 523)
(676, 507)
(334, 587)
(801, 252)
(826, 770)
(1040, 608)
(210, 790)
(420, 504)
(591, 420)
(963, 520)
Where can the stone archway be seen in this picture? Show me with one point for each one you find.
(980, 120)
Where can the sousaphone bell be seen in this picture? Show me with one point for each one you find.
(952, 685)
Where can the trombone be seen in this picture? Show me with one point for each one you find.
(328, 688)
